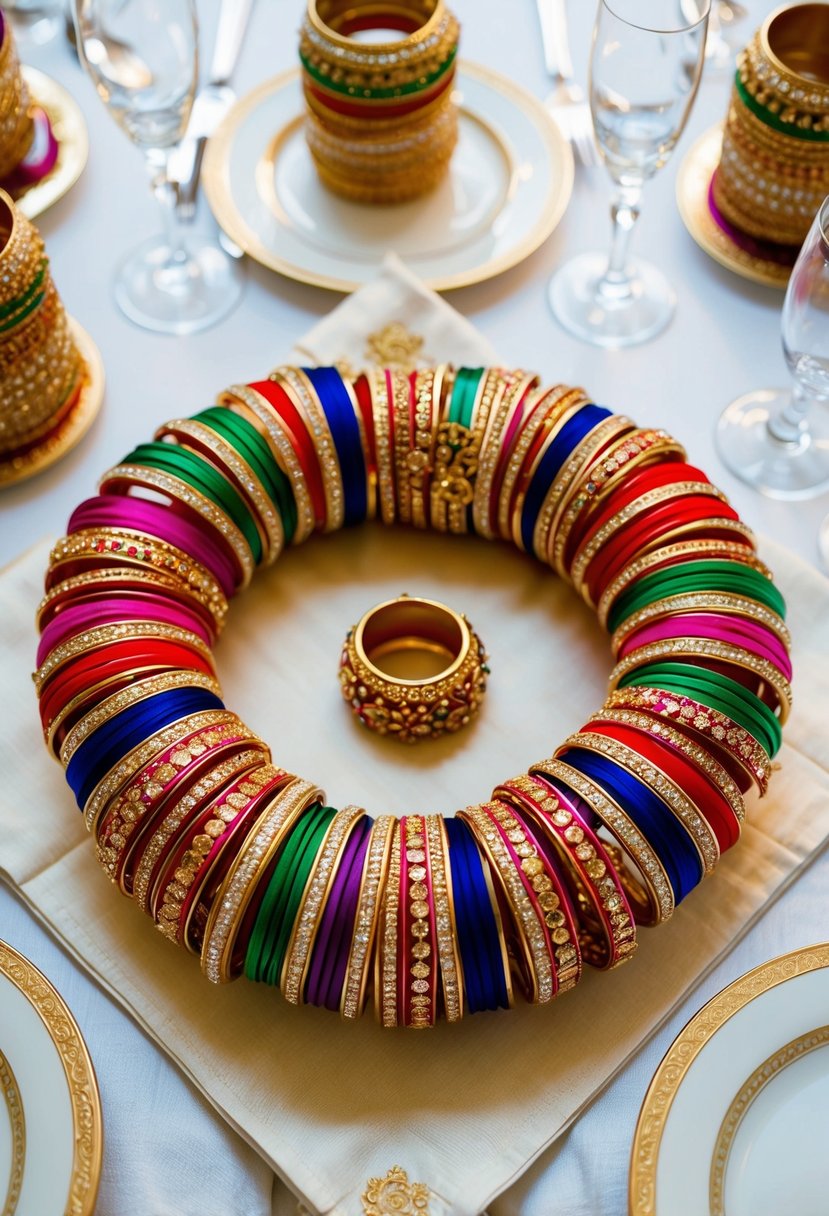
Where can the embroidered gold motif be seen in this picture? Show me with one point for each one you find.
(14, 1106)
(453, 480)
(395, 1194)
(394, 346)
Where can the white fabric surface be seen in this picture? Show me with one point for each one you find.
(724, 340)
(354, 1100)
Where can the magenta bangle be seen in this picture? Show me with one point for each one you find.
(330, 958)
(141, 515)
(749, 634)
(80, 617)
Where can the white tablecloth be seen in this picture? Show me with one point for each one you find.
(724, 340)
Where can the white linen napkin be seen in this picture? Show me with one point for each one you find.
(463, 1109)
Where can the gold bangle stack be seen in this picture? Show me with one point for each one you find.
(381, 121)
(16, 127)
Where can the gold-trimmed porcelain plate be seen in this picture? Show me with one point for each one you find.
(50, 1128)
(73, 428)
(69, 130)
(507, 187)
(734, 1122)
(692, 185)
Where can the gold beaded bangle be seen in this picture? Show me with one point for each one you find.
(372, 887)
(418, 974)
(400, 399)
(710, 648)
(638, 506)
(204, 440)
(712, 549)
(312, 903)
(305, 400)
(681, 806)
(446, 932)
(252, 861)
(256, 410)
(95, 693)
(652, 898)
(380, 411)
(726, 602)
(700, 756)
(427, 392)
(182, 492)
(518, 386)
(385, 959)
(594, 442)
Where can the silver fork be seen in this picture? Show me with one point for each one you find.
(566, 103)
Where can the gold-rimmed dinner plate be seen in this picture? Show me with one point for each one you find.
(69, 129)
(507, 187)
(692, 185)
(50, 1121)
(735, 1120)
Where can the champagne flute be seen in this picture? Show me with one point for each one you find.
(645, 68)
(773, 438)
(179, 282)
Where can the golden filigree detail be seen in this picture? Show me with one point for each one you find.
(14, 1105)
(685, 1049)
(80, 1077)
(395, 346)
(395, 1195)
(751, 1089)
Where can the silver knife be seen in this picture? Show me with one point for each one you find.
(212, 102)
(552, 18)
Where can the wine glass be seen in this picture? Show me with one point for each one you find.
(142, 56)
(772, 438)
(645, 67)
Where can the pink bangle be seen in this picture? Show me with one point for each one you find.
(749, 634)
(141, 515)
(79, 617)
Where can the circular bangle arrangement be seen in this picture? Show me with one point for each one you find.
(241, 862)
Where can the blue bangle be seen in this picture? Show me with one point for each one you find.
(102, 750)
(568, 438)
(345, 431)
(478, 938)
(662, 830)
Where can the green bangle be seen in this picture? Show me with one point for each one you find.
(6, 310)
(403, 90)
(272, 907)
(202, 476)
(771, 120)
(301, 874)
(252, 447)
(718, 692)
(696, 576)
(464, 391)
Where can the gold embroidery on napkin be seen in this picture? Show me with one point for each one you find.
(395, 1194)
(394, 346)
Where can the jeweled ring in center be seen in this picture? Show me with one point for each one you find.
(413, 669)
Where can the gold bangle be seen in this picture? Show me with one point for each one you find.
(709, 648)
(251, 862)
(446, 931)
(399, 402)
(312, 902)
(725, 602)
(380, 408)
(542, 403)
(181, 491)
(385, 959)
(675, 800)
(517, 387)
(206, 442)
(253, 407)
(560, 414)
(712, 549)
(372, 887)
(654, 901)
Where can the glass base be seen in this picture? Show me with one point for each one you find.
(747, 447)
(178, 297)
(34, 24)
(607, 317)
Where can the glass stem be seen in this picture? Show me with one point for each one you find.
(164, 191)
(615, 285)
(790, 426)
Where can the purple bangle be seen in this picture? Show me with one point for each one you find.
(329, 959)
(768, 251)
(41, 158)
(79, 617)
(141, 515)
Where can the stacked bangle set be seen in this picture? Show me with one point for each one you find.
(243, 863)
(381, 122)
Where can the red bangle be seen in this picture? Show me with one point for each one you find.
(369, 110)
(696, 784)
(643, 480)
(296, 430)
(511, 429)
(362, 391)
